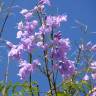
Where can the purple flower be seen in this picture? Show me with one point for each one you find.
(10, 44)
(36, 62)
(24, 11)
(35, 23)
(38, 36)
(88, 45)
(66, 68)
(55, 21)
(39, 8)
(86, 77)
(20, 26)
(16, 51)
(93, 65)
(93, 94)
(27, 14)
(93, 47)
(28, 43)
(29, 39)
(40, 44)
(64, 44)
(26, 68)
(93, 76)
(19, 34)
(30, 26)
(60, 48)
(44, 2)
(45, 29)
(52, 22)
(57, 35)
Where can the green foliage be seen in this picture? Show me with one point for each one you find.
(67, 88)
(71, 88)
(4, 88)
(19, 89)
(25, 89)
(62, 94)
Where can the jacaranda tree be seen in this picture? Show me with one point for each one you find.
(42, 47)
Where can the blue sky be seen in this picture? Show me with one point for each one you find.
(81, 10)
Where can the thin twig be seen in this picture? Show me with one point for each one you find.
(45, 53)
(6, 74)
(6, 18)
(30, 78)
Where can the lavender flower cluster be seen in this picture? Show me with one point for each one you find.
(30, 40)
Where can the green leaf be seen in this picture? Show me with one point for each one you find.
(6, 89)
(25, 89)
(62, 94)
